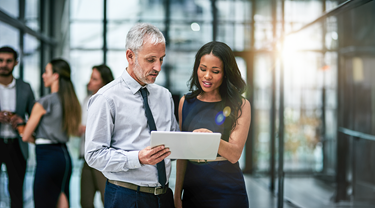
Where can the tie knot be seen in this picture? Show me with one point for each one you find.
(144, 92)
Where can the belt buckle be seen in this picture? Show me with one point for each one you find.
(155, 191)
(202, 161)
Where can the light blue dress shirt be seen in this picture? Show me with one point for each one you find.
(117, 129)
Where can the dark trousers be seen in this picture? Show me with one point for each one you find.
(92, 180)
(117, 196)
(11, 156)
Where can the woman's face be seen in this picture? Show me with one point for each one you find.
(210, 73)
(48, 76)
(96, 81)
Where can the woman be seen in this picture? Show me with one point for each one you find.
(214, 105)
(53, 118)
(92, 180)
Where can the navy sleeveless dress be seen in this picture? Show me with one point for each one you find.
(211, 184)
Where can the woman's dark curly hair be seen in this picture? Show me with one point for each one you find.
(233, 85)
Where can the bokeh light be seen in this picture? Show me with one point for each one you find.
(220, 118)
(195, 26)
(227, 111)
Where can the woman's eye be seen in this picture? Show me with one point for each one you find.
(203, 69)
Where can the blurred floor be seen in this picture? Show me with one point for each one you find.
(259, 195)
(303, 192)
(310, 192)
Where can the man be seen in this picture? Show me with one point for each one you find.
(16, 99)
(119, 123)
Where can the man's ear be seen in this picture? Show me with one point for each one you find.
(130, 56)
(16, 63)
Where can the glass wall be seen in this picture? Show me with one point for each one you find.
(27, 29)
(308, 59)
(190, 27)
(356, 110)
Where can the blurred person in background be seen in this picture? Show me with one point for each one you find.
(92, 180)
(54, 118)
(16, 100)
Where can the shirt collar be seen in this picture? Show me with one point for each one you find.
(131, 82)
(11, 85)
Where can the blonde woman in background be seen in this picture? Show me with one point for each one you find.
(54, 118)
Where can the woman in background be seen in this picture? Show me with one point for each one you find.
(92, 180)
(54, 118)
(214, 105)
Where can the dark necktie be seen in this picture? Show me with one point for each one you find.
(151, 124)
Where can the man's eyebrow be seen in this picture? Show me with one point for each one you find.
(155, 56)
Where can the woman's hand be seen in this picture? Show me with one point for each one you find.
(81, 130)
(203, 130)
(177, 202)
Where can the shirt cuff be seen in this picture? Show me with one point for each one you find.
(133, 161)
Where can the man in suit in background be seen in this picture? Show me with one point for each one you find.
(16, 100)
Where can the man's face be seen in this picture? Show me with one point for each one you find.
(7, 64)
(148, 63)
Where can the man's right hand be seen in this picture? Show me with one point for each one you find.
(4, 117)
(152, 156)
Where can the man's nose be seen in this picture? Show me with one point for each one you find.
(157, 66)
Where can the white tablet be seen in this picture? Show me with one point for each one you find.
(188, 145)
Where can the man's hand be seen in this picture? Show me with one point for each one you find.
(4, 117)
(14, 120)
(152, 156)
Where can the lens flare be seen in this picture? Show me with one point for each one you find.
(226, 111)
(220, 118)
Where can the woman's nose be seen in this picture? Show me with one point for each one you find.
(207, 75)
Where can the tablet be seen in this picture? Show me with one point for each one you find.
(188, 145)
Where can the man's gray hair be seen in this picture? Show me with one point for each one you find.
(143, 32)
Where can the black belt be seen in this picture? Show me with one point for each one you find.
(9, 140)
(150, 190)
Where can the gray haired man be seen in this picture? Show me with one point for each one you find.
(120, 118)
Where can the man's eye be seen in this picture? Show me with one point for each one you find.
(151, 60)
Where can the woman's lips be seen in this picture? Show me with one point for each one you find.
(207, 84)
